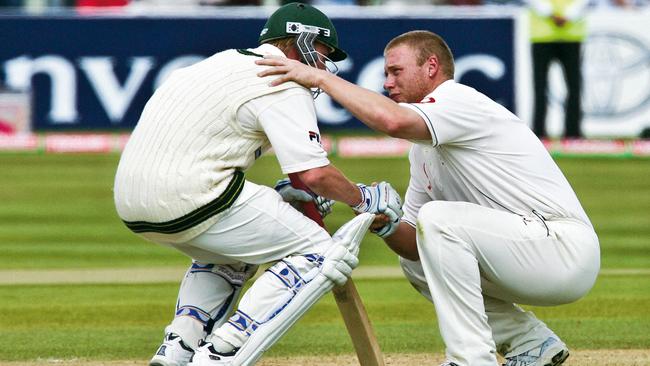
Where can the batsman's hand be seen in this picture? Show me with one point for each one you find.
(290, 70)
(387, 230)
(295, 197)
(383, 226)
(383, 199)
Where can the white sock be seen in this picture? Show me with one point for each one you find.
(221, 346)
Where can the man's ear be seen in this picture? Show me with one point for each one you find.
(433, 65)
(292, 53)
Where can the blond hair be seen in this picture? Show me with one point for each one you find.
(428, 44)
(284, 44)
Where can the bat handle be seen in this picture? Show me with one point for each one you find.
(309, 208)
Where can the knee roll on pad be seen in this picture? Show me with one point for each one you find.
(235, 274)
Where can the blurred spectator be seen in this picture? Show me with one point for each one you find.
(504, 2)
(333, 2)
(230, 2)
(311, 2)
(465, 2)
(177, 3)
(36, 4)
(101, 3)
(609, 3)
(403, 2)
(557, 29)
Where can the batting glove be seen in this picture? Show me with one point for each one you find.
(381, 199)
(324, 205)
(338, 264)
(295, 197)
(387, 230)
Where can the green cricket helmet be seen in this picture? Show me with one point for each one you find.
(298, 19)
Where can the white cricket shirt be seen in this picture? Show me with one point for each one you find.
(482, 153)
(204, 126)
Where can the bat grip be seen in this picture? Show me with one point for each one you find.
(309, 208)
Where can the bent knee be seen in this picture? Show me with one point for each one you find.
(443, 210)
(435, 216)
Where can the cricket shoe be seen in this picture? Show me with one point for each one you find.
(173, 352)
(206, 355)
(449, 363)
(552, 352)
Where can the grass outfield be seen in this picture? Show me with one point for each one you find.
(56, 212)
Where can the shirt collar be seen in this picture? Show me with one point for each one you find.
(440, 88)
(268, 49)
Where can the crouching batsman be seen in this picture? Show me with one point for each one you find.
(180, 182)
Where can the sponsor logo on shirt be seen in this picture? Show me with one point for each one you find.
(314, 136)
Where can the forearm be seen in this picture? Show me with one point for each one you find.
(373, 109)
(403, 242)
(329, 182)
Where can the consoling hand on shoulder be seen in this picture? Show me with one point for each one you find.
(290, 70)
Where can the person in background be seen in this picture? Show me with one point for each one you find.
(557, 30)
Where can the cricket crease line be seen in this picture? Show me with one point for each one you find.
(175, 274)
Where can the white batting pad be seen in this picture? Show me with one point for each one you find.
(206, 298)
(304, 293)
(351, 233)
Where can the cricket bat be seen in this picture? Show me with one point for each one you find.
(349, 302)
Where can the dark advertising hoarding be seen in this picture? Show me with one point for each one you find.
(97, 72)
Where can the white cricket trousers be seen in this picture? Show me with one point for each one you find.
(478, 262)
(258, 228)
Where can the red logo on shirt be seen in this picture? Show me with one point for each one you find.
(429, 100)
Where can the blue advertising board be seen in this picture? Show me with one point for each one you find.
(97, 72)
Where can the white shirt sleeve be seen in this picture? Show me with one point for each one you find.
(288, 119)
(416, 193)
(455, 115)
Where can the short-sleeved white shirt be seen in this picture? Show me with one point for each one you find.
(481, 153)
(288, 119)
(190, 142)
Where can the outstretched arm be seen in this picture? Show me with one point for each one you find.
(375, 110)
(328, 181)
(403, 242)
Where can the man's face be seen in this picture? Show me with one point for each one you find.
(406, 82)
(322, 50)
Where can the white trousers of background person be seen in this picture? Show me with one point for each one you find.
(258, 228)
(478, 262)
